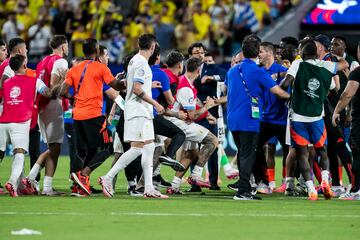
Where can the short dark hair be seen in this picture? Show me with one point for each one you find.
(57, 40)
(16, 62)
(251, 46)
(102, 49)
(269, 46)
(290, 41)
(2, 42)
(192, 64)
(341, 38)
(173, 58)
(14, 42)
(126, 60)
(196, 45)
(154, 56)
(309, 50)
(145, 41)
(89, 46)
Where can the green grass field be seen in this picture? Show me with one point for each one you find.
(213, 215)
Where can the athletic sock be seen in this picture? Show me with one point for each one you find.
(17, 168)
(271, 174)
(47, 183)
(224, 160)
(34, 171)
(284, 172)
(340, 174)
(197, 171)
(176, 182)
(147, 165)
(310, 186)
(325, 176)
(157, 171)
(290, 183)
(123, 161)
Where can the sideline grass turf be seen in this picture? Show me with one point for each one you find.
(213, 215)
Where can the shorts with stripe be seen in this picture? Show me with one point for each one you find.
(92, 133)
(305, 133)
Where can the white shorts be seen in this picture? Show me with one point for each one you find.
(288, 135)
(193, 132)
(118, 147)
(51, 122)
(189, 145)
(138, 129)
(15, 133)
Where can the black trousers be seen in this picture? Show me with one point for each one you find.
(246, 142)
(267, 131)
(166, 128)
(34, 147)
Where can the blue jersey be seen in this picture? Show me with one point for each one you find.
(274, 110)
(160, 76)
(239, 115)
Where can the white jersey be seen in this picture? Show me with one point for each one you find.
(138, 71)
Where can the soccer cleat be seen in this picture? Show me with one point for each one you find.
(272, 185)
(76, 191)
(326, 189)
(130, 189)
(246, 197)
(168, 161)
(107, 187)
(313, 196)
(263, 189)
(52, 193)
(82, 181)
(234, 186)
(11, 189)
(350, 196)
(291, 192)
(337, 191)
(139, 192)
(31, 185)
(174, 191)
(214, 187)
(194, 188)
(159, 181)
(231, 173)
(198, 181)
(281, 188)
(154, 194)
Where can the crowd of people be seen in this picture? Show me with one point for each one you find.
(171, 113)
(220, 25)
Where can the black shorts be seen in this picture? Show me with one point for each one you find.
(92, 133)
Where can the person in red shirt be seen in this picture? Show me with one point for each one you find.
(18, 96)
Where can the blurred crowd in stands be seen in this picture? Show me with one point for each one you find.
(219, 24)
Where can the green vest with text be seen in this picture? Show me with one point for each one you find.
(310, 89)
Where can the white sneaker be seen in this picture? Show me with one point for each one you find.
(337, 190)
(107, 186)
(230, 172)
(350, 196)
(272, 185)
(154, 194)
(263, 188)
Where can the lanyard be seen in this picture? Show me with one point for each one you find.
(81, 79)
(244, 83)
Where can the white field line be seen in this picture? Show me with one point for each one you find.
(154, 214)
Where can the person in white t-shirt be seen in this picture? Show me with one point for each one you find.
(138, 114)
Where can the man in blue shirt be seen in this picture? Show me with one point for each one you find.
(245, 83)
(274, 115)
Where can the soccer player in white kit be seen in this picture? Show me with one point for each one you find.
(138, 113)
